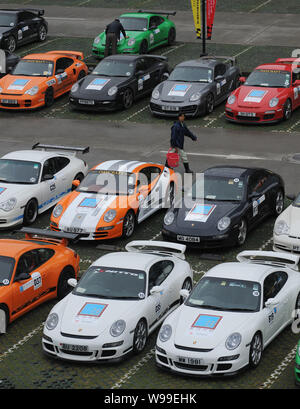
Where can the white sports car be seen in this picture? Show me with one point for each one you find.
(233, 313)
(286, 235)
(32, 181)
(118, 302)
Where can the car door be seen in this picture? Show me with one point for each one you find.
(256, 197)
(45, 268)
(65, 75)
(154, 70)
(143, 77)
(25, 29)
(157, 31)
(149, 191)
(295, 89)
(220, 81)
(52, 184)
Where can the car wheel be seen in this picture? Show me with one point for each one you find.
(11, 44)
(279, 203)
(3, 320)
(297, 308)
(129, 224)
(187, 285)
(242, 233)
(81, 75)
(42, 32)
(30, 212)
(127, 98)
(255, 353)
(79, 177)
(287, 110)
(143, 47)
(63, 287)
(140, 336)
(171, 36)
(170, 196)
(209, 104)
(49, 97)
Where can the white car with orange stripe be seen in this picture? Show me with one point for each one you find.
(113, 198)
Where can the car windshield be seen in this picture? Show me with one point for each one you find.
(134, 23)
(296, 202)
(191, 74)
(226, 294)
(36, 68)
(114, 68)
(6, 268)
(7, 19)
(19, 171)
(217, 188)
(112, 283)
(269, 78)
(108, 182)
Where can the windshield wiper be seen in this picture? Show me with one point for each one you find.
(240, 309)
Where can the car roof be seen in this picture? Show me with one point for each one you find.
(127, 57)
(201, 62)
(119, 165)
(12, 11)
(229, 171)
(42, 56)
(34, 155)
(131, 260)
(13, 248)
(139, 15)
(276, 66)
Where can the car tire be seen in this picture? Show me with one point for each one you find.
(79, 177)
(209, 104)
(255, 352)
(171, 36)
(143, 47)
(30, 212)
(287, 110)
(242, 233)
(297, 309)
(279, 203)
(3, 320)
(49, 97)
(187, 285)
(127, 99)
(63, 287)
(42, 32)
(129, 223)
(11, 44)
(170, 196)
(140, 337)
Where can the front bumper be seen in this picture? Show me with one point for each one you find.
(262, 116)
(102, 233)
(93, 105)
(286, 244)
(20, 102)
(99, 52)
(171, 109)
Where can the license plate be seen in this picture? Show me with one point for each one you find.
(251, 114)
(170, 108)
(74, 348)
(9, 101)
(86, 101)
(73, 230)
(190, 361)
(188, 238)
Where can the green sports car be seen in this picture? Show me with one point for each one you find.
(297, 365)
(146, 30)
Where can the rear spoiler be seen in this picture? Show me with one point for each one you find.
(76, 54)
(168, 13)
(40, 234)
(157, 247)
(272, 258)
(60, 148)
(39, 12)
(233, 60)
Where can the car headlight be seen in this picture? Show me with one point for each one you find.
(165, 333)
(233, 341)
(32, 91)
(281, 227)
(131, 41)
(231, 99)
(195, 96)
(109, 216)
(169, 218)
(223, 223)
(112, 91)
(273, 102)
(97, 40)
(8, 205)
(75, 87)
(117, 328)
(52, 321)
(155, 94)
(57, 211)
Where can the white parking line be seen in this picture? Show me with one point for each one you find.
(229, 156)
(261, 5)
(38, 46)
(244, 51)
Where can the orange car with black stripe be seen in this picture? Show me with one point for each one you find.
(34, 270)
(38, 79)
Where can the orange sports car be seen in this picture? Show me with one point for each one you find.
(34, 270)
(38, 79)
(113, 198)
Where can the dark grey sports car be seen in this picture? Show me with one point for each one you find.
(195, 87)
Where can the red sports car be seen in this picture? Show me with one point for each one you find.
(270, 94)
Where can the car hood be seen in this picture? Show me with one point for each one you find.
(4, 29)
(203, 328)
(89, 316)
(292, 216)
(248, 96)
(97, 85)
(178, 91)
(18, 84)
(9, 190)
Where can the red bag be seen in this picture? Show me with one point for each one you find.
(172, 159)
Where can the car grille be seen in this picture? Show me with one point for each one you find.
(248, 118)
(191, 109)
(76, 353)
(200, 368)
(9, 105)
(78, 336)
(192, 349)
(269, 116)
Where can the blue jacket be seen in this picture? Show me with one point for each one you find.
(178, 131)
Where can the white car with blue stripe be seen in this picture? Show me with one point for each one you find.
(32, 181)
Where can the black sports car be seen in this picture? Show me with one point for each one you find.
(8, 62)
(195, 87)
(18, 27)
(222, 205)
(117, 81)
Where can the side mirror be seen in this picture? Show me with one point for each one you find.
(139, 72)
(23, 276)
(184, 293)
(165, 76)
(271, 302)
(48, 176)
(72, 282)
(219, 78)
(59, 71)
(242, 80)
(76, 183)
(254, 195)
(153, 27)
(296, 83)
(156, 289)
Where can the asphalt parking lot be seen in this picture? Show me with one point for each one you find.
(135, 134)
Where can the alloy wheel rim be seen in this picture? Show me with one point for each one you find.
(242, 232)
(187, 285)
(129, 225)
(31, 212)
(288, 110)
(279, 203)
(210, 104)
(256, 350)
(12, 45)
(141, 335)
(42, 33)
(127, 99)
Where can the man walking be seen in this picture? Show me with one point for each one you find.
(112, 33)
(178, 131)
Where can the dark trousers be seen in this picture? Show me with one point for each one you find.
(111, 43)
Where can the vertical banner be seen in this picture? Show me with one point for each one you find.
(196, 7)
(210, 15)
